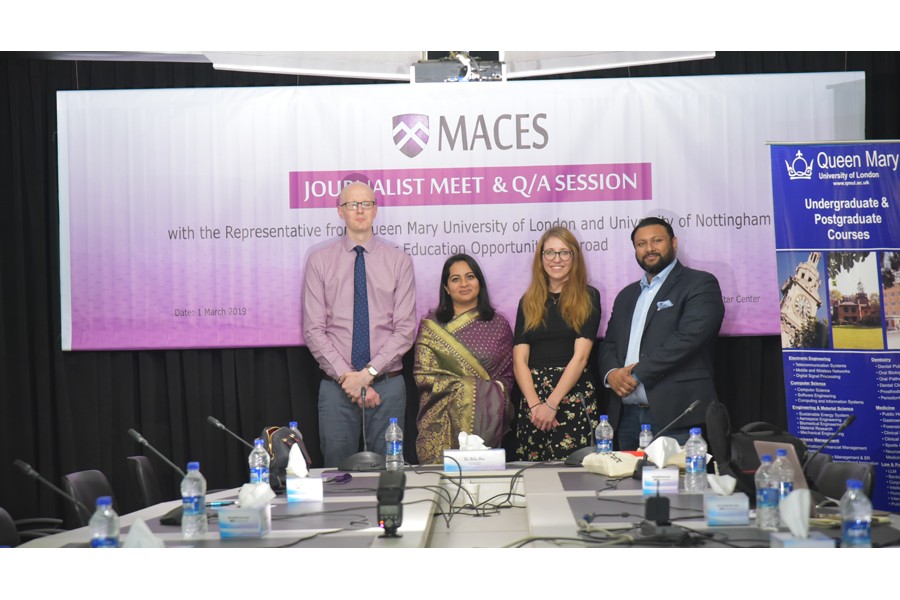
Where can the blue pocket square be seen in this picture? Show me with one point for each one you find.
(664, 304)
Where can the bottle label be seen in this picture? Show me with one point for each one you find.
(259, 475)
(785, 488)
(604, 445)
(857, 533)
(104, 542)
(695, 464)
(767, 498)
(395, 448)
(193, 505)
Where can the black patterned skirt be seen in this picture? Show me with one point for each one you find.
(577, 417)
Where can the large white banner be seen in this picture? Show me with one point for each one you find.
(187, 215)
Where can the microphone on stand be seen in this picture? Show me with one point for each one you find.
(30, 472)
(639, 468)
(216, 423)
(365, 460)
(847, 423)
(143, 442)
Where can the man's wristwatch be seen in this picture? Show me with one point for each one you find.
(372, 371)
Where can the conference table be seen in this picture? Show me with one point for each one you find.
(526, 504)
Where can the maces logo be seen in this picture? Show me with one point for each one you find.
(799, 168)
(410, 133)
(466, 133)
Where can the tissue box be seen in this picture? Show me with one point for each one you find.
(245, 522)
(726, 510)
(475, 460)
(305, 489)
(786, 539)
(654, 479)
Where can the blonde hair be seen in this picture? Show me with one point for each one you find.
(574, 299)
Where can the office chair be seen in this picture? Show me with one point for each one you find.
(86, 487)
(142, 479)
(832, 480)
(814, 467)
(13, 533)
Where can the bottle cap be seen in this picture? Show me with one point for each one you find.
(781, 452)
(766, 458)
(604, 417)
(695, 431)
(107, 501)
(393, 419)
(293, 424)
(852, 484)
(193, 466)
(258, 442)
(645, 426)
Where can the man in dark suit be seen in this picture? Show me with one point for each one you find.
(657, 355)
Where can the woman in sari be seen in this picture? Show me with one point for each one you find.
(463, 364)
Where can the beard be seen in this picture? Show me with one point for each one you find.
(664, 261)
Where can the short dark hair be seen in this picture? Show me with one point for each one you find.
(444, 312)
(647, 221)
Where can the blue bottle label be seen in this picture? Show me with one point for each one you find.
(104, 542)
(259, 475)
(604, 445)
(395, 447)
(767, 498)
(193, 505)
(695, 464)
(857, 533)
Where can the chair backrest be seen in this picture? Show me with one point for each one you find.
(142, 478)
(9, 535)
(814, 467)
(832, 480)
(86, 487)
(718, 433)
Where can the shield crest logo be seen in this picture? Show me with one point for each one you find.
(410, 133)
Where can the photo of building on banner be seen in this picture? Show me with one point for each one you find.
(837, 238)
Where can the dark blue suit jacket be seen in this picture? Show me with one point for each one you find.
(676, 356)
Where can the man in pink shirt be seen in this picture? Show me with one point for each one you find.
(334, 299)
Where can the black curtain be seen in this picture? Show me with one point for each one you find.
(64, 412)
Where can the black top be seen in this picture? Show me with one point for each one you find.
(553, 342)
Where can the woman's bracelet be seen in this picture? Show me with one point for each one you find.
(532, 406)
(551, 408)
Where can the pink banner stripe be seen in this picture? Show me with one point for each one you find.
(484, 185)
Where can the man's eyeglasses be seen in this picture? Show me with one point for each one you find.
(564, 255)
(367, 205)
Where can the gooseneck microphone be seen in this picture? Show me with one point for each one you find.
(30, 472)
(365, 460)
(215, 423)
(847, 423)
(639, 468)
(143, 442)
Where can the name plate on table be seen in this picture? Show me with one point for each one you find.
(475, 460)
(726, 510)
(245, 522)
(654, 479)
(305, 489)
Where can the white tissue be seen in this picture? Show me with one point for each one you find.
(611, 464)
(296, 466)
(664, 451)
(794, 511)
(255, 495)
(722, 484)
(140, 536)
(471, 442)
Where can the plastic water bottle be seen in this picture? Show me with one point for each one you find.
(259, 462)
(782, 474)
(296, 431)
(766, 496)
(646, 436)
(856, 517)
(104, 525)
(193, 503)
(393, 440)
(695, 462)
(603, 435)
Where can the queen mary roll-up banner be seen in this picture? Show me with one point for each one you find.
(837, 235)
(186, 215)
